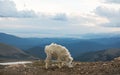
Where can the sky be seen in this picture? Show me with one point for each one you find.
(59, 18)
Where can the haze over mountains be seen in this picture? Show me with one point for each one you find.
(35, 46)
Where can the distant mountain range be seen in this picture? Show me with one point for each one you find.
(102, 55)
(22, 43)
(10, 52)
(35, 46)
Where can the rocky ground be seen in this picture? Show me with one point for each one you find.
(80, 68)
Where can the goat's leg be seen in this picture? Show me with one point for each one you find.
(47, 60)
(62, 63)
(59, 62)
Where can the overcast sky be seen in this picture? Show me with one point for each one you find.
(59, 18)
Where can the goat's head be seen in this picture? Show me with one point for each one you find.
(69, 60)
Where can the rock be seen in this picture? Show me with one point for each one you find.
(118, 58)
(104, 64)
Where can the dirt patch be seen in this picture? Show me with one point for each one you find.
(80, 68)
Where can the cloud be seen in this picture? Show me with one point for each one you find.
(74, 25)
(112, 15)
(113, 1)
(61, 24)
(8, 9)
(60, 17)
(47, 27)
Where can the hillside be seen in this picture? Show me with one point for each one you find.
(102, 55)
(8, 52)
(37, 52)
(80, 68)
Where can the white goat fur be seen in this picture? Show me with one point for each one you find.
(60, 53)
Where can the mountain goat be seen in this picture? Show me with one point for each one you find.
(59, 52)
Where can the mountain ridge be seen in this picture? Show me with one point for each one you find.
(102, 55)
(74, 45)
